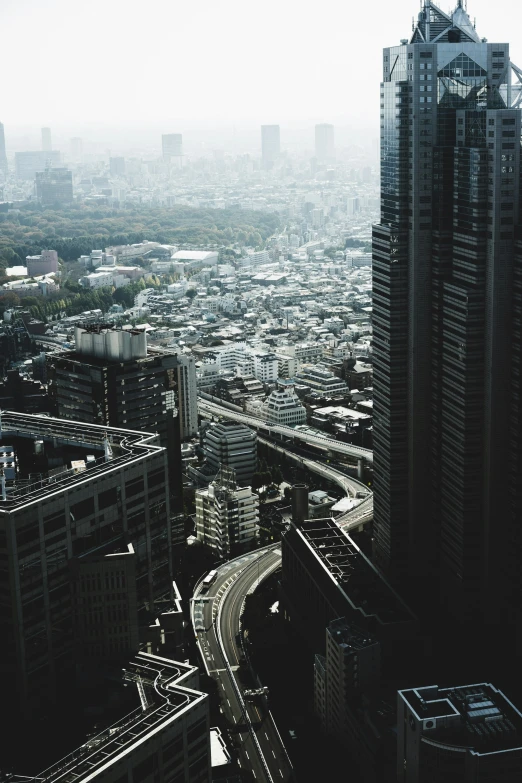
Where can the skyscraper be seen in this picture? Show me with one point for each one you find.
(3, 156)
(172, 147)
(443, 256)
(270, 145)
(47, 144)
(324, 142)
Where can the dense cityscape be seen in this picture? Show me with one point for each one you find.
(261, 440)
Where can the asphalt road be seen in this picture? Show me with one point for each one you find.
(216, 621)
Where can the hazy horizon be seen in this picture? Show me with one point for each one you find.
(216, 71)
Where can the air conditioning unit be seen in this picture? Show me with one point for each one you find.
(428, 724)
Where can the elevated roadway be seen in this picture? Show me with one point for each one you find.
(216, 621)
(206, 407)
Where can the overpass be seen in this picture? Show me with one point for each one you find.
(206, 407)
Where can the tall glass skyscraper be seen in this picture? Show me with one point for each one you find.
(447, 317)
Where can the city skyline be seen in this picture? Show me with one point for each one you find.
(202, 93)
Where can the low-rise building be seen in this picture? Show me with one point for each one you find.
(283, 407)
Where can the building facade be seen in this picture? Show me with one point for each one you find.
(270, 145)
(324, 142)
(187, 396)
(234, 445)
(284, 407)
(44, 264)
(28, 163)
(443, 258)
(227, 516)
(467, 733)
(80, 491)
(167, 736)
(112, 378)
(54, 186)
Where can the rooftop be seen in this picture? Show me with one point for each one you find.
(362, 585)
(160, 694)
(477, 717)
(113, 448)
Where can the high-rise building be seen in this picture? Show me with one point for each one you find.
(270, 145)
(117, 166)
(234, 445)
(28, 163)
(227, 516)
(166, 733)
(324, 142)
(76, 146)
(47, 144)
(54, 186)
(85, 526)
(172, 147)
(3, 156)
(443, 260)
(113, 378)
(467, 733)
(188, 396)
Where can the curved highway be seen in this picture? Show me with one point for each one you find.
(216, 621)
(360, 514)
(322, 441)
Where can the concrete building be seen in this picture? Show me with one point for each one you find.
(112, 378)
(47, 144)
(167, 734)
(227, 516)
(324, 142)
(270, 145)
(321, 380)
(346, 682)
(266, 367)
(54, 186)
(466, 733)
(76, 147)
(188, 396)
(233, 445)
(97, 280)
(172, 147)
(194, 260)
(79, 490)
(44, 264)
(117, 167)
(283, 406)
(323, 571)
(27, 164)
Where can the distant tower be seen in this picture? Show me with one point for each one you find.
(172, 147)
(324, 142)
(46, 140)
(117, 166)
(76, 148)
(270, 145)
(3, 156)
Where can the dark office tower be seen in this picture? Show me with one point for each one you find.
(443, 257)
(113, 378)
(47, 144)
(270, 145)
(117, 167)
(3, 156)
(324, 142)
(172, 147)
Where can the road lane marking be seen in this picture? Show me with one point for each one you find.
(254, 774)
(248, 757)
(273, 754)
(266, 735)
(280, 773)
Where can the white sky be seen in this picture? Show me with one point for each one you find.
(125, 63)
